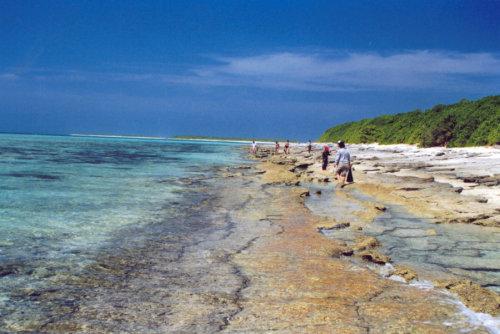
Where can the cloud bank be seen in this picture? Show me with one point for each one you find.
(353, 71)
(315, 72)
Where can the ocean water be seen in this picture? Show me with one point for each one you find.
(65, 199)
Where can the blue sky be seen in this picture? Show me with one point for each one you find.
(237, 68)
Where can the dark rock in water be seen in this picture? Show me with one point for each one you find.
(347, 251)
(482, 200)
(305, 194)
(300, 167)
(335, 226)
(292, 183)
(8, 269)
(342, 225)
(375, 257)
(380, 207)
(39, 176)
(469, 219)
(486, 180)
(458, 189)
(427, 179)
(318, 192)
(409, 189)
(439, 154)
(392, 170)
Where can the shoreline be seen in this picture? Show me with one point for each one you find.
(244, 252)
(299, 168)
(297, 279)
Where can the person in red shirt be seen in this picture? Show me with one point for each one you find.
(325, 154)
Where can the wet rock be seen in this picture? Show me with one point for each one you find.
(318, 192)
(410, 188)
(392, 170)
(482, 200)
(346, 251)
(364, 242)
(300, 167)
(439, 154)
(458, 189)
(331, 224)
(380, 207)
(342, 250)
(334, 226)
(468, 219)
(305, 194)
(473, 295)
(473, 179)
(374, 256)
(407, 273)
(9, 269)
(427, 179)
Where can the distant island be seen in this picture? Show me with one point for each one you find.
(116, 136)
(466, 123)
(236, 139)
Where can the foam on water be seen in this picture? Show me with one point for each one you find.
(476, 319)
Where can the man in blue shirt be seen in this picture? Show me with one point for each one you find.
(342, 163)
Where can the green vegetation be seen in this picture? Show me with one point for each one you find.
(466, 123)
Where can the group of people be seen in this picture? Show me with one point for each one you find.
(286, 149)
(342, 161)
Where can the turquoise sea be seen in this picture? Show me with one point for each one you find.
(64, 199)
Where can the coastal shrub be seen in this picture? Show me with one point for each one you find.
(466, 123)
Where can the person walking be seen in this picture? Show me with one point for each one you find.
(254, 147)
(342, 163)
(276, 148)
(325, 154)
(287, 147)
(309, 147)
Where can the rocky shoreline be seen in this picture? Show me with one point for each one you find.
(244, 253)
(448, 204)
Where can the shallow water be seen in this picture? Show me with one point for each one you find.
(70, 203)
(468, 251)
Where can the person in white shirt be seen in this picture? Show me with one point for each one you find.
(342, 163)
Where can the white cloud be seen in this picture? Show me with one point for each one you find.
(353, 71)
(318, 72)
